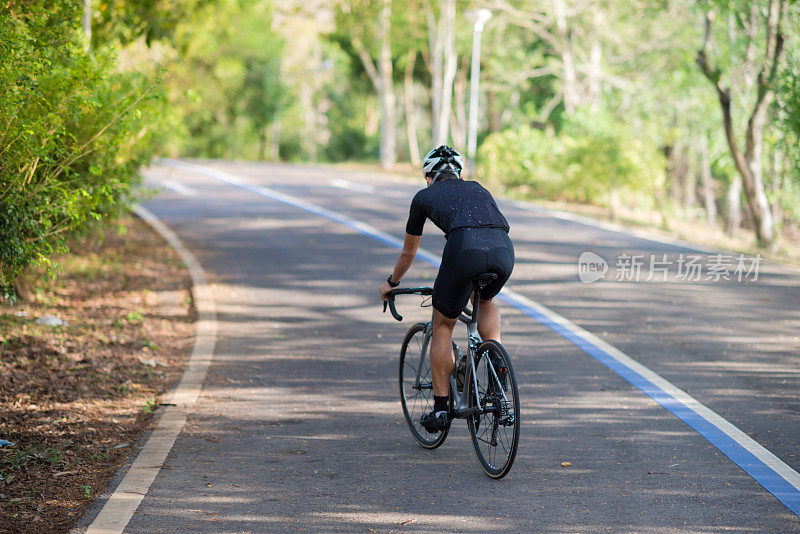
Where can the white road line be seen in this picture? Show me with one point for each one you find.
(120, 507)
(705, 413)
(353, 186)
(179, 188)
(766, 468)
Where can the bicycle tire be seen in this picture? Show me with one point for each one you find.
(416, 402)
(495, 436)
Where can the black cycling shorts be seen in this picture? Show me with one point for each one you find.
(470, 252)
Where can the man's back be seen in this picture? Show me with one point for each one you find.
(454, 203)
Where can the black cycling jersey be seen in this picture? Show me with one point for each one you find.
(454, 203)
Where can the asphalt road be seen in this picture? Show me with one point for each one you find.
(299, 425)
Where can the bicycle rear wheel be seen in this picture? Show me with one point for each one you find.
(495, 427)
(417, 400)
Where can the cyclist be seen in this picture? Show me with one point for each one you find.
(477, 243)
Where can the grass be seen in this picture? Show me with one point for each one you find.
(150, 406)
(19, 460)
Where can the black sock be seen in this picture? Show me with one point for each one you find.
(440, 403)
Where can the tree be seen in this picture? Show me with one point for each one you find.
(411, 108)
(749, 162)
(380, 71)
(442, 37)
(122, 21)
(226, 86)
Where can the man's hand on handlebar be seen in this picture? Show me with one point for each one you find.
(389, 294)
(384, 289)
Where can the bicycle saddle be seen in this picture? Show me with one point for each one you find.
(483, 280)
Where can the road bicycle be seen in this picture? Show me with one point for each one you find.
(483, 389)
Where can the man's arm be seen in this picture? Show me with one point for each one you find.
(410, 246)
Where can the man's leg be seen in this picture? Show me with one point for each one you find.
(489, 320)
(442, 364)
(442, 359)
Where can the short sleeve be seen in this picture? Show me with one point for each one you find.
(416, 217)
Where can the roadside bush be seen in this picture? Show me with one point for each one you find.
(522, 160)
(73, 135)
(591, 159)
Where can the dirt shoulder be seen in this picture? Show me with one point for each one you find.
(75, 397)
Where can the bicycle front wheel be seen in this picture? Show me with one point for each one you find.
(494, 427)
(417, 399)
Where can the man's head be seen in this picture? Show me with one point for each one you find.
(442, 162)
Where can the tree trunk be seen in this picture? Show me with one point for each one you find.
(690, 184)
(411, 110)
(388, 150)
(595, 62)
(275, 139)
(435, 40)
(459, 117)
(707, 182)
(677, 173)
(262, 143)
(381, 78)
(614, 204)
(753, 181)
(777, 185)
(733, 196)
(447, 32)
(748, 162)
(24, 289)
(733, 206)
(309, 120)
(87, 22)
(492, 112)
(569, 78)
(371, 120)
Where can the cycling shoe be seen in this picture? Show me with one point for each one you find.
(435, 422)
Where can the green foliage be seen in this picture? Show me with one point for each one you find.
(123, 21)
(73, 134)
(788, 108)
(150, 405)
(590, 157)
(348, 138)
(226, 86)
(243, 76)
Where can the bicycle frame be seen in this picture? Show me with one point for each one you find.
(492, 418)
(460, 400)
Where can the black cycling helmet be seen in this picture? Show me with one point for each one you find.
(441, 160)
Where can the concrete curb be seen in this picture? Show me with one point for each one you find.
(123, 502)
